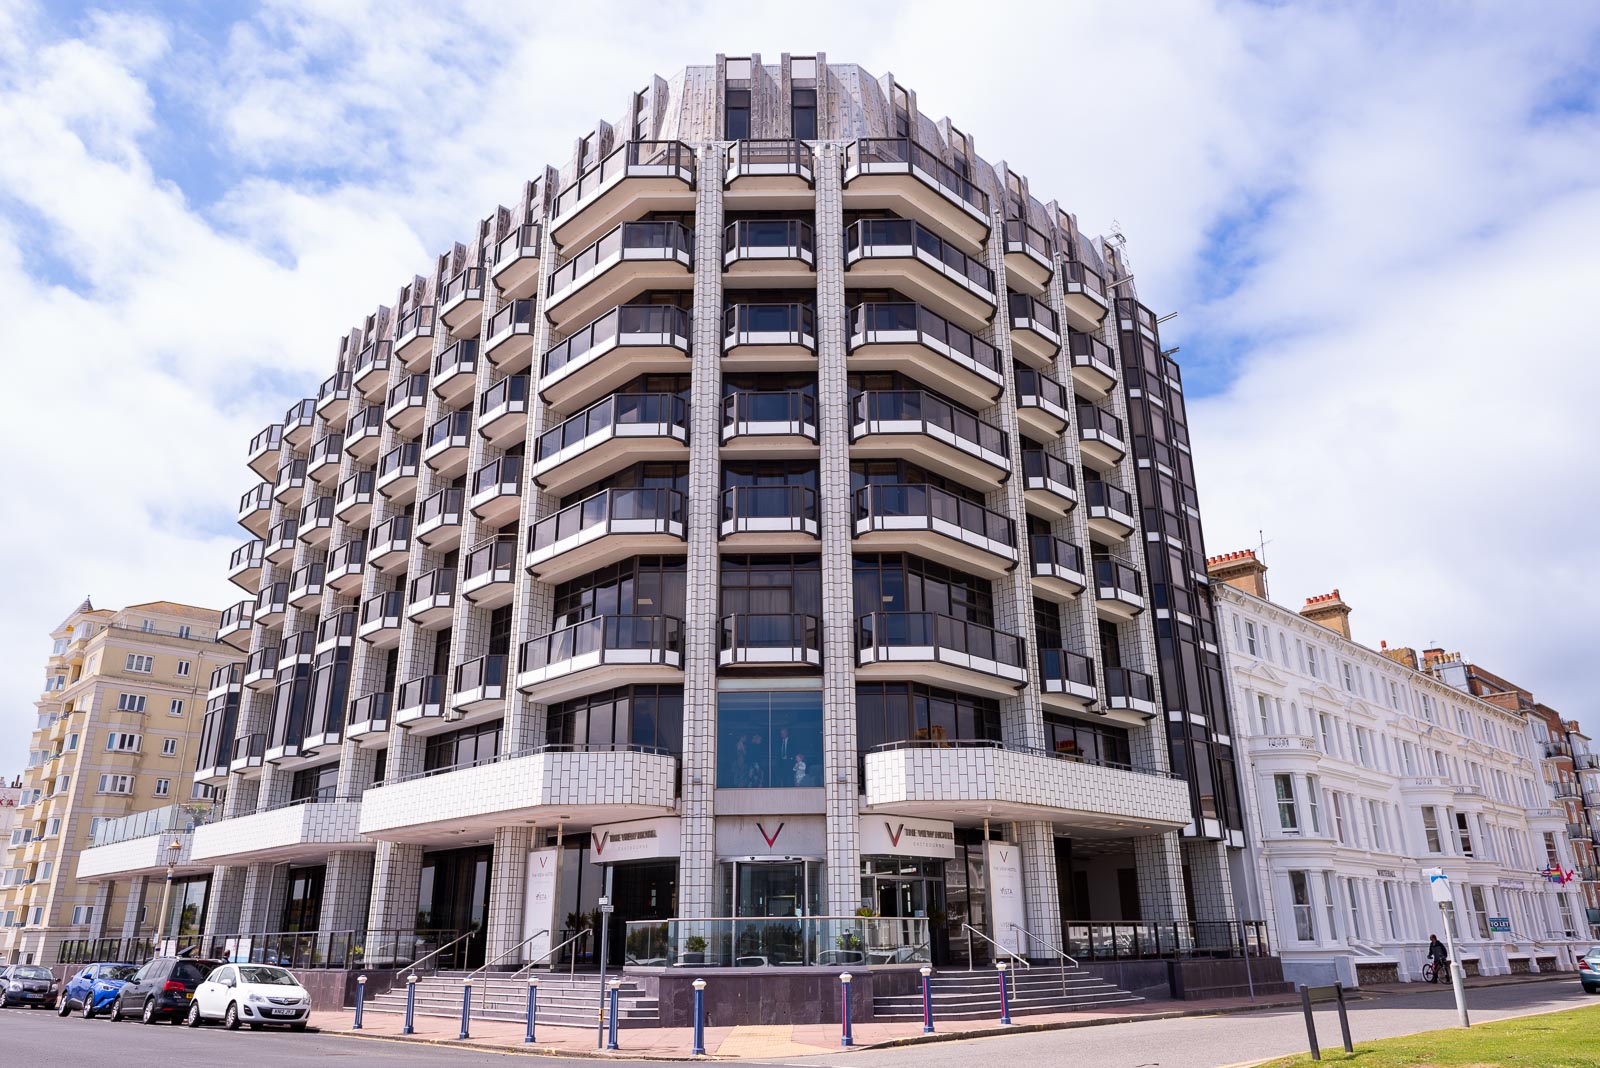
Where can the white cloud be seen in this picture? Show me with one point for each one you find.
(1378, 213)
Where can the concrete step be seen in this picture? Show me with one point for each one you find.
(965, 995)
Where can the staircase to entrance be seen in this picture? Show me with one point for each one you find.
(959, 995)
(565, 999)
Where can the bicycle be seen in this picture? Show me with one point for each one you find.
(1435, 973)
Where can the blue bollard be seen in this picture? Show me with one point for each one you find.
(927, 1001)
(361, 996)
(698, 1048)
(1005, 1001)
(466, 1008)
(845, 1038)
(411, 1005)
(533, 1007)
(611, 1034)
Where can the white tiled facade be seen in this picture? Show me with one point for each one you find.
(1362, 774)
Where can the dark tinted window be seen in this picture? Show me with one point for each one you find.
(737, 125)
(187, 971)
(803, 114)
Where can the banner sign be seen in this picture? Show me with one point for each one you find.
(615, 843)
(1006, 903)
(1501, 924)
(902, 836)
(539, 913)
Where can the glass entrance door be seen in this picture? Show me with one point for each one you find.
(454, 896)
(772, 895)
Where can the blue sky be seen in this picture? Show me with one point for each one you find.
(1376, 223)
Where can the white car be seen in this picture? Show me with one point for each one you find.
(254, 994)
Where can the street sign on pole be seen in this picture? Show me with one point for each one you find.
(1439, 884)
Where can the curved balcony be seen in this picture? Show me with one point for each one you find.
(299, 423)
(370, 376)
(413, 338)
(904, 255)
(623, 429)
(1030, 259)
(363, 433)
(930, 431)
(510, 344)
(455, 372)
(297, 650)
(609, 526)
(489, 573)
(497, 491)
(337, 631)
(265, 450)
(272, 604)
(780, 424)
(397, 472)
(516, 261)
(480, 684)
(1130, 691)
(770, 640)
(419, 699)
(255, 509)
(233, 626)
(936, 524)
(1118, 593)
(899, 174)
(290, 486)
(280, 547)
(306, 585)
(1042, 403)
(432, 599)
(381, 617)
(769, 518)
(1083, 295)
(938, 648)
(439, 519)
(627, 261)
(503, 412)
(635, 179)
(1048, 485)
(1066, 680)
(407, 404)
(261, 668)
(333, 396)
(316, 521)
(1094, 369)
(769, 337)
(352, 502)
(345, 564)
(1057, 567)
(326, 456)
(769, 174)
(1035, 331)
(389, 545)
(249, 751)
(461, 301)
(448, 443)
(913, 340)
(600, 653)
(1100, 438)
(1110, 510)
(769, 253)
(1018, 783)
(601, 357)
(368, 717)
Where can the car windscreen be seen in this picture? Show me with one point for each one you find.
(25, 972)
(255, 973)
(116, 971)
(187, 971)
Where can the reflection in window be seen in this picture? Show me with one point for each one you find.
(769, 738)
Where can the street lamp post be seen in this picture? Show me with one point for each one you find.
(174, 847)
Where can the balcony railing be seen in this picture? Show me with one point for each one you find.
(410, 392)
(655, 321)
(1124, 685)
(1103, 495)
(1066, 670)
(454, 425)
(240, 615)
(1080, 276)
(896, 319)
(651, 158)
(617, 410)
(169, 819)
(263, 661)
(668, 237)
(1093, 418)
(1114, 574)
(300, 414)
(510, 393)
(371, 708)
(608, 508)
(526, 235)
(301, 645)
(367, 420)
(444, 505)
(768, 238)
(1020, 237)
(1038, 464)
(502, 474)
(397, 529)
(462, 285)
(250, 747)
(485, 672)
(740, 503)
(1089, 351)
(761, 322)
(873, 152)
(272, 599)
(513, 315)
(887, 631)
(399, 459)
(292, 474)
(440, 582)
(887, 235)
(933, 412)
(1036, 312)
(418, 321)
(497, 555)
(785, 408)
(771, 638)
(757, 158)
(1045, 390)
(318, 513)
(1050, 553)
(354, 488)
(269, 440)
(937, 505)
(606, 639)
(352, 553)
(374, 358)
(340, 625)
(460, 358)
(420, 692)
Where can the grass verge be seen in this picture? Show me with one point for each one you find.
(1552, 1040)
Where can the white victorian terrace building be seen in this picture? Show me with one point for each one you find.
(1361, 773)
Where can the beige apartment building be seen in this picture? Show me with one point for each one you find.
(118, 728)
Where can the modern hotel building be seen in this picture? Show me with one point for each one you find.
(776, 510)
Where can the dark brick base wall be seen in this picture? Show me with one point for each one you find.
(1367, 974)
(786, 996)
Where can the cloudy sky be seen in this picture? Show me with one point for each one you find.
(1379, 224)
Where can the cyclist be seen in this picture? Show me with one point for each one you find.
(1438, 955)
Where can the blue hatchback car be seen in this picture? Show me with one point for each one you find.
(93, 988)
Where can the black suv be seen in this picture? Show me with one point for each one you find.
(162, 989)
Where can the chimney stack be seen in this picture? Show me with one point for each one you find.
(1329, 610)
(1241, 570)
(1401, 655)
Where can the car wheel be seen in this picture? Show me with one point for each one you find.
(63, 1007)
(193, 1019)
(88, 1007)
(231, 1019)
(149, 1014)
(116, 1009)
(1590, 988)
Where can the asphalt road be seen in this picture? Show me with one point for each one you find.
(33, 1037)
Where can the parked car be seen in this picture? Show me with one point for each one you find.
(162, 989)
(256, 994)
(30, 985)
(94, 988)
(1589, 970)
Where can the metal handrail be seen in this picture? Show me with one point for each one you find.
(1013, 954)
(491, 963)
(572, 961)
(1066, 958)
(416, 965)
